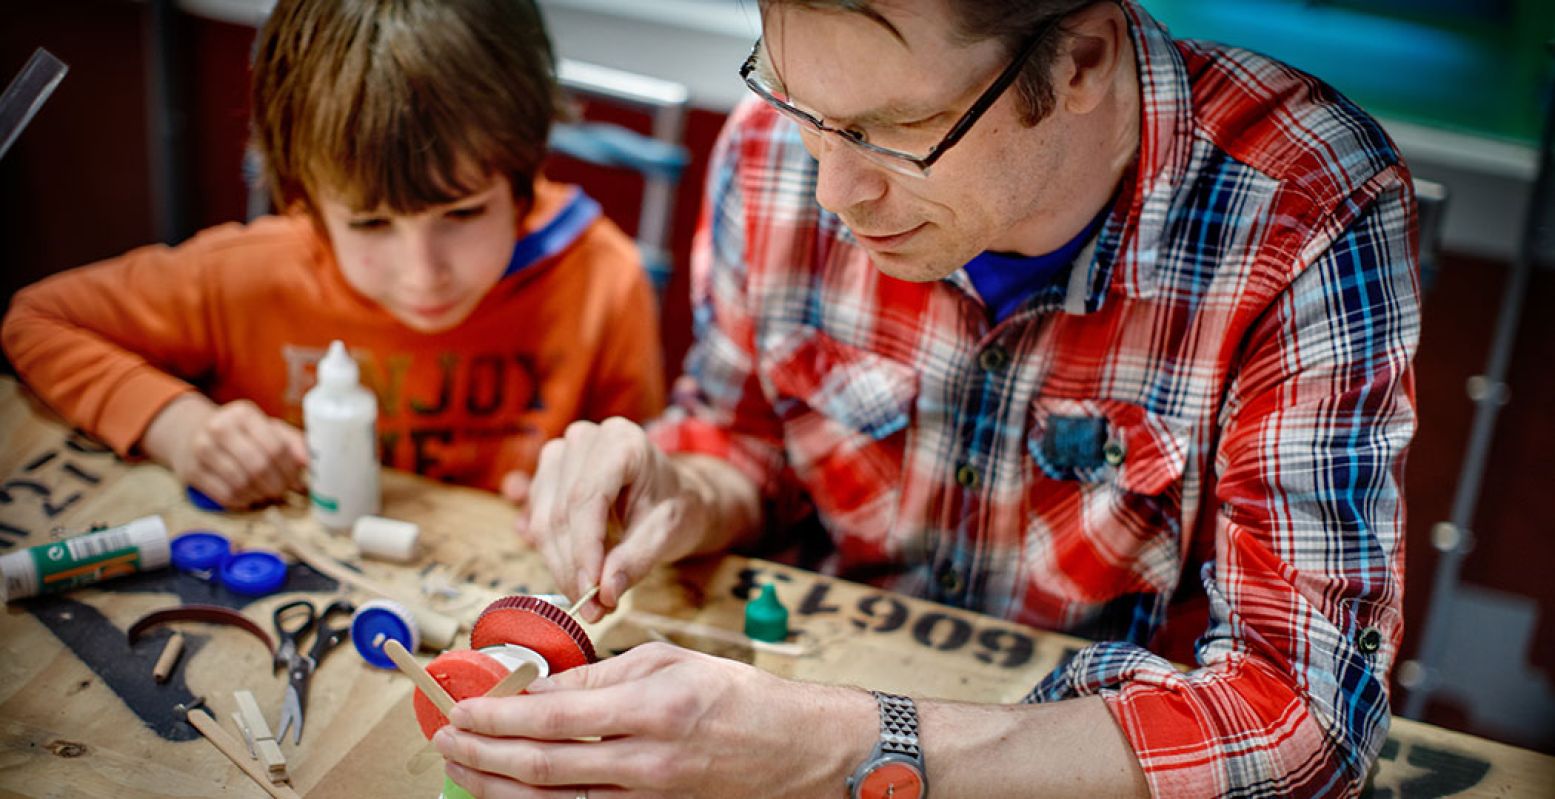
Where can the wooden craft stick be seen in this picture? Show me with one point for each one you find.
(516, 681)
(228, 746)
(651, 623)
(418, 675)
(587, 595)
(169, 658)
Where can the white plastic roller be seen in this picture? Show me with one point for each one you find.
(386, 539)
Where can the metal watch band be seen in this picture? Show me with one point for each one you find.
(898, 725)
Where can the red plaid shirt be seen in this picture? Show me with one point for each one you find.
(1213, 403)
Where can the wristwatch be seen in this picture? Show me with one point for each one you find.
(894, 770)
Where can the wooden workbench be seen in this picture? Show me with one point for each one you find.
(81, 717)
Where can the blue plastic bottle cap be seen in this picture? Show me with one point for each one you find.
(253, 573)
(199, 500)
(199, 550)
(387, 618)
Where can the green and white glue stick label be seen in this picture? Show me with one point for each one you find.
(59, 566)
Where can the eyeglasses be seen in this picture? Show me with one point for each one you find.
(898, 161)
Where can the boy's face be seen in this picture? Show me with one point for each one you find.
(429, 269)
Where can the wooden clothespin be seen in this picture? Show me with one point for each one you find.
(256, 731)
(219, 738)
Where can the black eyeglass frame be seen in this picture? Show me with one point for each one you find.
(957, 131)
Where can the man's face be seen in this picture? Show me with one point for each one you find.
(430, 269)
(994, 190)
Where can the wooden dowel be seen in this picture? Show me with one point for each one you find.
(169, 658)
(651, 623)
(516, 681)
(228, 746)
(587, 595)
(418, 675)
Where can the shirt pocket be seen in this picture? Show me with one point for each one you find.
(845, 413)
(1106, 493)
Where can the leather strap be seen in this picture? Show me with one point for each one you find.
(212, 614)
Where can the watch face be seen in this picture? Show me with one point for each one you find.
(891, 781)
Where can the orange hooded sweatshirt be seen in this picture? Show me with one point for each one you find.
(246, 312)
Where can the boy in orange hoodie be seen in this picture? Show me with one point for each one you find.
(487, 307)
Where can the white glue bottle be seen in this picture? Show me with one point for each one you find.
(340, 421)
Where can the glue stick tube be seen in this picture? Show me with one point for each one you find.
(44, 569)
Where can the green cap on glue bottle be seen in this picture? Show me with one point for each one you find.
(765, 617)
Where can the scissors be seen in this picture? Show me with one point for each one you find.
(293, 621)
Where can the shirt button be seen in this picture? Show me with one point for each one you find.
(1113, 451)
(1370, 640)
(994, 358)
(950, 580)
(966, 476)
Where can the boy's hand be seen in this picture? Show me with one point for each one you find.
(606, 506)
(234, 453)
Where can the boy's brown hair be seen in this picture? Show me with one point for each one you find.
(401, 104)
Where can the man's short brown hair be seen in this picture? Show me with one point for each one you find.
(1010, 21)
(401, 104)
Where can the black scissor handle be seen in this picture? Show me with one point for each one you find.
(286, 621)
(329, 636)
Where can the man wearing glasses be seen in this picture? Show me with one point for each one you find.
(1041, 313)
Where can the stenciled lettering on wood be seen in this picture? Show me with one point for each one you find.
(881, 612)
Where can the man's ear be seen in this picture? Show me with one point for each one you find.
(1089, 58)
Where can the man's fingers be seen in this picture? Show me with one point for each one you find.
(586, 531)
(540, 523)
(610, 703)
(646, 544)
(497, 786)
(635, 664)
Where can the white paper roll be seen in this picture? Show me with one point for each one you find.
(386, 539)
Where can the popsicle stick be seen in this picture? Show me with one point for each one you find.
(587, 595)
(516, 681)
(418, 675)
(234, 752)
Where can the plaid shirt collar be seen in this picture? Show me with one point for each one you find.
(1150, 184)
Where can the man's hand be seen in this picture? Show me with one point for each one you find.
(670, 722)
(606, 506)
(234, 453)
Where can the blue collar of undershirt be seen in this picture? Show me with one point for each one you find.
(557, 234)
(1006, 281)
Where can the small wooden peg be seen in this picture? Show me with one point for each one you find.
(169, 658)
(587, 595)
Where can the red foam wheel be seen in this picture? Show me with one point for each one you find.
(535, 624)
(463, 673)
